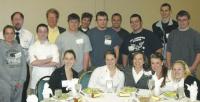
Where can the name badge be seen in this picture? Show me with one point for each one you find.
(65, 83)
(79, 41)
(167, 35)
(130, 48)
(107, 42)
(17, 55)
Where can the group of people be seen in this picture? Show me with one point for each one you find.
(169, 54)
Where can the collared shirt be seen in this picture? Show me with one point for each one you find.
(137, 76)
(53, 34)
(42, 51)
(102, 74)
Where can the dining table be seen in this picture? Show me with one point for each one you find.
(114, 97)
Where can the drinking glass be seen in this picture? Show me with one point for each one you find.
(58, 93)
(109, 86)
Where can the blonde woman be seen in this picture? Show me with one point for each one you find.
(181, 76)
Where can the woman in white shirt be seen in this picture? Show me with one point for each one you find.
(161, 72)
(43, 55)
(182, 77)
(108, 72)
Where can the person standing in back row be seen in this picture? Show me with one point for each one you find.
(163, 27)
(102, 39)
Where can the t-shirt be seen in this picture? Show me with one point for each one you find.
(184, 45)
(123, 34)
(101, 41)
(144, 41)
(77, 41)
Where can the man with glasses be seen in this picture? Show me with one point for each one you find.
(184, 43)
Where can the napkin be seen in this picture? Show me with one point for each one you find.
(32, 98)
(157, 89)
(46, 91)
(71, 86)
(193, 90)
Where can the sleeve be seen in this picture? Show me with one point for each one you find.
(124, 47)
(31, 54)
(87, 45)
(58, 42)
(53, 82)
(116, 39)
(59, 46)
(122, 80)
(197, 43)
(155, 42)
(169, 42)
(32, 39)
(23, 68)
(93, 78)
(55, 54)
(3, 72)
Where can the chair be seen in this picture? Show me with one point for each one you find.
(40, 86)
(84, 79)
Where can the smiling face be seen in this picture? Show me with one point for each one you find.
(9, 35)
(136, 24)
(69, 60)
(156, 65)
(85, 22)
(138, 61)
(17, 21)
(178, 71)
(165, 12)
(102, 22)
(116, 21)
(110, 60)
(52, 20)
(42, 33)
(73, 25)
(183, 22)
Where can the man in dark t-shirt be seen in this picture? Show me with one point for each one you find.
(102, 39)
(123, 34)
(140, 39)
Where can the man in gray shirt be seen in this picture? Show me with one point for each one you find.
(13, 67)
(184, 43)
(77, 41)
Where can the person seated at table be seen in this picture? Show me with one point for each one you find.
(135, 75)
(64, 73)
(161, 74)
(181, 76)
(109, 72)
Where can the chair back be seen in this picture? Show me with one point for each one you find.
(40, 86)
(85, 78)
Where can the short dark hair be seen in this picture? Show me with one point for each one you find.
(166, 4)
(73, 16)
(136, 15)
(86, 15)
(8, 27)
(182, 13)
(157, 55)
(70, 51)
(12, 16)
(117, 14)
(54, 11)
(42, 25)
(101, 13)
(109, 52)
